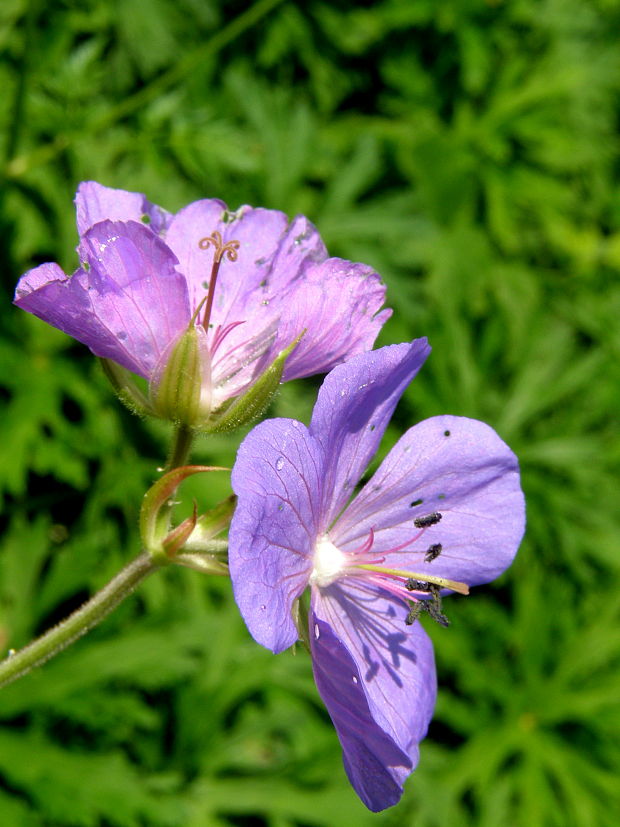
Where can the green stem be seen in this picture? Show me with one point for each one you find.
(81, 621)
(181, 446)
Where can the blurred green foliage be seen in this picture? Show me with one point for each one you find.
(467, 149)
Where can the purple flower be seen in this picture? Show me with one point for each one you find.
(443, 511)
(144, 280)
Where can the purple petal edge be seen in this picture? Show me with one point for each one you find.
(352, 411)
(375, 764)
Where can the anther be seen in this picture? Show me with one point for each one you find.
(415, 611)
(432, 606)
(433, 552)
(430, 519)
(417, 585)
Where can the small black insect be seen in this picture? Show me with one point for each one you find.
(433, 552)
(430, 519)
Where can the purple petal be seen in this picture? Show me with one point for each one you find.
(277, 480)
(95, 203)
(258, 232)
(377, 679)
(453, 466)
(240, 353)
(299, 248)
(352, 411)
(129, 305)
(338, 305)
(66, 303)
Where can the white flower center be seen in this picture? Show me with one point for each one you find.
(328, 562)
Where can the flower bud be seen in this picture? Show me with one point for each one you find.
(180, 389)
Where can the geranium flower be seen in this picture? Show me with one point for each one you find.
(444, 511)
(245, 285)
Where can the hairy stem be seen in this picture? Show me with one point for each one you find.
(181, 447)
(81, 621)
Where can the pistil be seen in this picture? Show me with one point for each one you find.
(229, 249)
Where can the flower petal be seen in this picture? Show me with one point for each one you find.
(352, 411)
(258, 232)
(377, 679)
(277, 479)
(66, 303)
(338, 304)
(95, 203)
(127, 307)
(453, 466)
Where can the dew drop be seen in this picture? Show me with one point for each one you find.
(354, 679)
(316, 631)
(343, 392)
(279, 463)
(11, 652)
(122, 335)
(262, 607)
(160, 469)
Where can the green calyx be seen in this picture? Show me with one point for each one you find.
(181, 393)
(126, 388)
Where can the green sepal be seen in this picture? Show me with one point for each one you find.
(155, 510)
(254, 402)
(209, 525)
(176, 539)
(126, 389)
(176, 396)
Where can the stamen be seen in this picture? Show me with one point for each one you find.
(431, 605)
(417, 585)
(430, 519)
(443, 582)
(433, 552)
(230, 250)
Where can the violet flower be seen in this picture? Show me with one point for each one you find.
(245, 284)
(443, 511)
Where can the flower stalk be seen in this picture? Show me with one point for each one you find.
(81, 621)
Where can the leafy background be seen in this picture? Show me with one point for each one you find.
(467, 149)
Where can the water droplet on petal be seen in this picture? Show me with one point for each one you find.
(279, 463)
(316, 631)
(343, 392)
(262, 607)
(354, 679)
